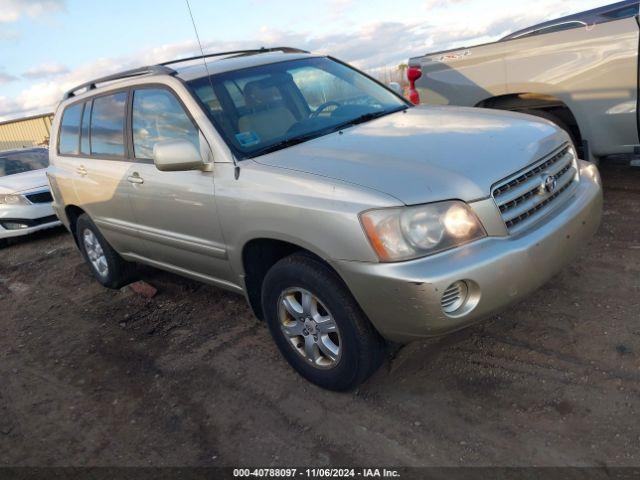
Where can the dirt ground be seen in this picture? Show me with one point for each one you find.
(90, 376)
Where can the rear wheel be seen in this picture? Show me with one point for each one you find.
(317, 324)
(106, 265)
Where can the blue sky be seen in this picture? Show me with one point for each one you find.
(47, 46)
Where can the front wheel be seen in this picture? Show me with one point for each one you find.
(317, 324)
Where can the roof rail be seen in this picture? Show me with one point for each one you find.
(162, 69)
(150, 70)
(238, 53)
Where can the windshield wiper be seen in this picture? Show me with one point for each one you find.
(367, 117)
(288, 142)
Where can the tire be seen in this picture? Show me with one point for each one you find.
(7, 242)
(554, 119)
(360, 349)
(116, 272)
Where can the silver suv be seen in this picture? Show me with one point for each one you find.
(345, 215)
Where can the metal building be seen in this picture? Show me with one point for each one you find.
(25, 132)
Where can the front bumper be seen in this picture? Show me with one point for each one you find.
(403, 300)
(35, 216)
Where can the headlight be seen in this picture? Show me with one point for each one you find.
(13, 199)
(411, 232)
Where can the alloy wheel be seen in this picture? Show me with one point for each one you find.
(95, 252)
(310, 327)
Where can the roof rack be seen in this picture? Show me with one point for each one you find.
(150, 70)
(237, 53)
(162, 69)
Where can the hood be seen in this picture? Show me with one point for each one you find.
(22, 182)
(427, 154)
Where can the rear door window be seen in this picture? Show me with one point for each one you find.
(107, 125)
(158, 116)
(70, 130)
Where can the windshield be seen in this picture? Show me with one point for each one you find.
(265, 108)
(23, 161)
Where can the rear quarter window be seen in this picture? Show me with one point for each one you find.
(69, 138)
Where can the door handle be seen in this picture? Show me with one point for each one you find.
(81, 170)
(135, 178)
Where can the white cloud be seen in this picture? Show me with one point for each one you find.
(338, 7)
(433, 4)
(371, 47)
(13, 10)
(6, 77)
(44, 95)
(46, 70)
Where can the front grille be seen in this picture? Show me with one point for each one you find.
(40, 197)
(523, 199)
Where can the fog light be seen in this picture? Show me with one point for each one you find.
(455, 296)
(14, 225)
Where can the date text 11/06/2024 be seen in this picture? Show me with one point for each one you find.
(316, 473)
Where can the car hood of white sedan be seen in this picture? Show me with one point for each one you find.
(427, 154)
(23, 182)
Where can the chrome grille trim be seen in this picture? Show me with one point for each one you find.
(521, 197)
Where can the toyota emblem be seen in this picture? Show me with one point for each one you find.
(549, 184)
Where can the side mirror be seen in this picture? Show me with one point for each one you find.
(177, 155)
(395, 86)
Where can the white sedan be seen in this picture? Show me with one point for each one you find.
(25, 199)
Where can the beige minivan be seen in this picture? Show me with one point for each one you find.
(344, 214)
